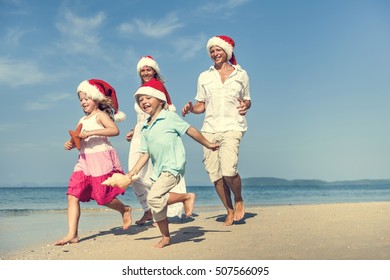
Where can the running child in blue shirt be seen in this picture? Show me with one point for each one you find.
(162, 143)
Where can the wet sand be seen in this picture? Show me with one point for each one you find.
(348, 231)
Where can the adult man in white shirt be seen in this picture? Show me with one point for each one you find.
(223, 95)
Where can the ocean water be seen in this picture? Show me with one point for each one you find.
(33, 215)
(16, 201)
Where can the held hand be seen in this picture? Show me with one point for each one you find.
(242, 108)
(129, 136)
(120, 180)
(213, 146)
(187, 109)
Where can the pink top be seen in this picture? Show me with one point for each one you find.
(97, 155)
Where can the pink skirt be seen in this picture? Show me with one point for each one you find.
(90, 171)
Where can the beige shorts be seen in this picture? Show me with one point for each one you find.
(159, 194)
(222, 162)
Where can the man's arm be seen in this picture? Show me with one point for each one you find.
(198, 108)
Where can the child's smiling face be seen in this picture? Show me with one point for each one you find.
(87, 103)
(150, 105)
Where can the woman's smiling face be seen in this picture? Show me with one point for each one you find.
(147, 73)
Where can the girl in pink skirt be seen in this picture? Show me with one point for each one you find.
(98, 159)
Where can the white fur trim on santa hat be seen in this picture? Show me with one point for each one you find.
(216, 41)
(119, 116)
(147, 61)
(90, 90)
(151, 92)
(172, 108)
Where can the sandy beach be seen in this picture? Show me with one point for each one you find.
(348, 231)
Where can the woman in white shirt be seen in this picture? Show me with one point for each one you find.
(147, 69)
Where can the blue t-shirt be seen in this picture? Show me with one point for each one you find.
(162, 141)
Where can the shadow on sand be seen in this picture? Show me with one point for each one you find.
(185, 234)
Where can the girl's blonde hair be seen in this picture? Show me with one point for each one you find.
(107, 106)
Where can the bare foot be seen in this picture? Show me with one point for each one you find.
(126, 216)
(165, 241)
(229, 219)
(146, 217)
(189, 204)
(67, 240)
(239, 210)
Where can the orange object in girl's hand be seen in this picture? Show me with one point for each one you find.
(75, 138)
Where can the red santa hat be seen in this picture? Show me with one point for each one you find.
(147, 61)
(98, 90)
(224, 42)
(155, 88)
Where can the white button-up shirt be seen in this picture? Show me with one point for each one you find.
(221, 99)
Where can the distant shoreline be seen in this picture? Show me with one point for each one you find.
(251, 181)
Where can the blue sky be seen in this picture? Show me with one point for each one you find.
(319, 72)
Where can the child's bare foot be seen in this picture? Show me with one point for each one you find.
(229, 219)
(165, 241)
(239, 210)
(67, 240)
(146, 217)
(189, 204)
(126, 216)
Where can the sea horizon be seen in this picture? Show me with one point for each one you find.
(245, 181)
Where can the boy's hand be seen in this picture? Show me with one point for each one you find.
(213, 146)
(120, 180)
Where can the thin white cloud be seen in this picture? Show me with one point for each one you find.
(80, 33)
(223, 7)
(59, 96)
(235, 3)
(16, 73)
(38, 106)
(187, 48)
(14, 35)
(153, 28)
(126, 28)
(47, 102)
(15, 7)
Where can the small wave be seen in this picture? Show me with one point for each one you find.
(19, 212)
(25, 212)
